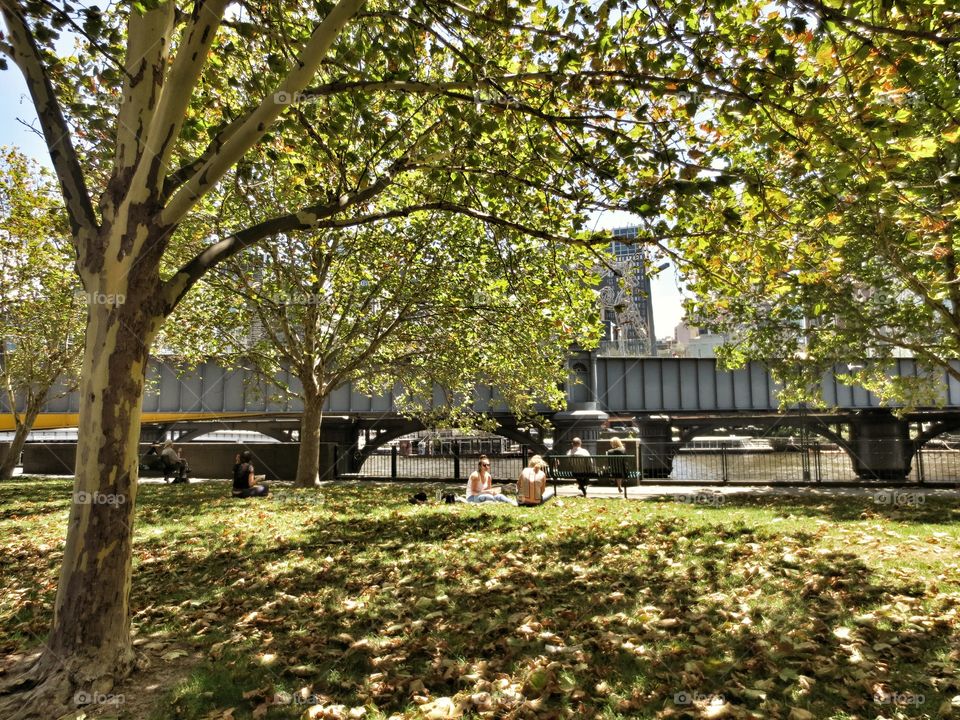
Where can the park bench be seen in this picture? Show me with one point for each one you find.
(150, 466)
(587, 469)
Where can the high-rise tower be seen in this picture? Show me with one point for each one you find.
(625, 298)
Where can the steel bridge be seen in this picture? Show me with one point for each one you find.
(666, 399)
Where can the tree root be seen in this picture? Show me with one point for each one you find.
(40, 688)
(34, 696)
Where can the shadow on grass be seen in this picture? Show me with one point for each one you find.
(912, 506)
(618, 619)
(585, 609)
(25, 496)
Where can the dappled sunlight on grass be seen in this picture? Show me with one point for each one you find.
(349, 599)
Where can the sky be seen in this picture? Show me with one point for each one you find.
(15, 106)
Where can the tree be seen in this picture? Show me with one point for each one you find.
(41, 314)
(428, 300)
(828, 242)
(524, 116)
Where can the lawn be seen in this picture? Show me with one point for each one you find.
(350, 602)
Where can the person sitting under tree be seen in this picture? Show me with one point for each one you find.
(480, 485)
(532, 483)
(617, 448)
(244, 481)
(577, 449)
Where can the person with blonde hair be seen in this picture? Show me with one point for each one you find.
(617, 448)
(532, 483)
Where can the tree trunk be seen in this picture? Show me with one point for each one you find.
(89, 646)
(19, 440)
(308, 462)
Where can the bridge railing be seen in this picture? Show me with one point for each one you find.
(453, 466)
(694, 464)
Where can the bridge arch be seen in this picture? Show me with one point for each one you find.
(398, 429)
(690, 432)
(936, 429)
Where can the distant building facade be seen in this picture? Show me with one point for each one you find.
(688, 341)
(625, 299)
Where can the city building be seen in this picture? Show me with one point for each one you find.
(625, 299)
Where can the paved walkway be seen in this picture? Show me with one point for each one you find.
(647, 491)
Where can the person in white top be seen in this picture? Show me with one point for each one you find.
(480, 485)
(576, 448)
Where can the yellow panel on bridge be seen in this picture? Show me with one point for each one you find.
(59, 421)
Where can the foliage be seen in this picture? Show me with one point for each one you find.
(829, 235)
(351, 598)
(525, 116)
(422, 301)
(41, 310)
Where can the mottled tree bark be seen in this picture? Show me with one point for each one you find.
(24, 427)
(308, 463)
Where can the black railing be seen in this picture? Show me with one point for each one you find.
(801, 464)
(453, 466)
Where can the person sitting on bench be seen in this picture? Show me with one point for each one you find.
(577, 449)
(244, 481)
(173, 464)
(532, 485)
(151, 458)
(617, 448)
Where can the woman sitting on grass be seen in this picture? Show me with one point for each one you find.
(244, 481)
(532, 484)
(480, 485)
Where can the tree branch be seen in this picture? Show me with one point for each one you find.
(836, 15)
(305, 219)
(148, 42)
(177, 89)
(660, 83)
(256, 124)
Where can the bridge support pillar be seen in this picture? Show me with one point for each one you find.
(338, 447)
(881, 448)
(657, 448)
(584, 421)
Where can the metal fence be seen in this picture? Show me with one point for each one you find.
(813, 463)
(448, 466)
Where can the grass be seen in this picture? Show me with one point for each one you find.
(349, 596)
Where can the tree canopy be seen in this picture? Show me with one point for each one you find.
(829, 239)
(41, 308)
(429, 303)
